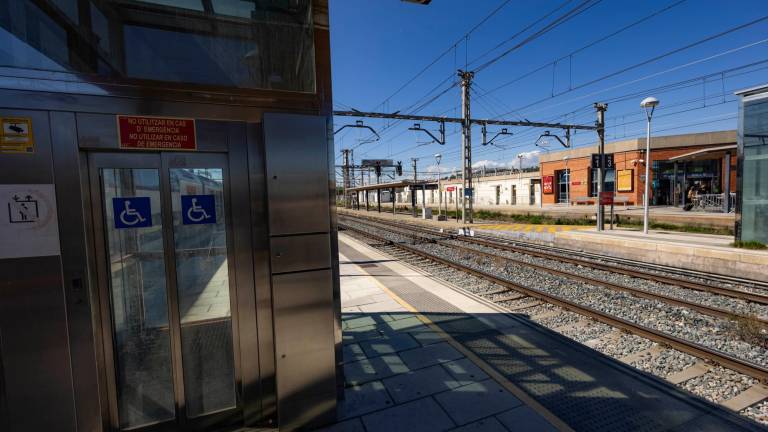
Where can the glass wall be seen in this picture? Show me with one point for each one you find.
(255, 44)
(693, 176)
(753, 146)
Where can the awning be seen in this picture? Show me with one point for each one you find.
(397, 185)
(708, 153)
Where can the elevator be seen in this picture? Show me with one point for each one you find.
(168, 251)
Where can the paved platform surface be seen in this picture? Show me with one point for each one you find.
(421, 355)
(403, 374)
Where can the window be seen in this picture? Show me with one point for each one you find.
(563, 177)
(265, 44)
(610, 179)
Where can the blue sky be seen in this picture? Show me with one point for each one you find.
(379, 45)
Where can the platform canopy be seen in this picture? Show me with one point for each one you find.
(427, 184)
(707, 153)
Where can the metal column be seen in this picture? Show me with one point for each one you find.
(600, 171)
(413, 189)
(394, 203)
(345, 172)
(727, 184)
(674, 185)
(466, 135)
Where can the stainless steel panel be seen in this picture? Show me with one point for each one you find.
(33, 322)
(298, 253)
(72, 212)
(33, 326)
(296, 153)
(99, 131)
(248, 337)
(261, 270)
(159, 104)
(306, 377)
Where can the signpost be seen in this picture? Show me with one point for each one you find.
(606, 198)
(451, 189)
(374, 162)
(608, 161)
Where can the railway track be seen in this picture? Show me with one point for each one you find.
(574, 274)
(508, 292)
(752, 291)
(756, 371)
(647, 267)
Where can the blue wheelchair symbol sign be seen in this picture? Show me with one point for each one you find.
(198, 209)
(132, 212)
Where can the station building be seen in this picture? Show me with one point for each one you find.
(497, 188)
(682, 166)
(492, 188)
(752, 207)
(168, 258)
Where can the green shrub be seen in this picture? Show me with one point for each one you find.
(750, 244)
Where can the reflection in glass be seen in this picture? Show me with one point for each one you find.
(754, 176)
(139, 303)
(199, 230)
(265, 44)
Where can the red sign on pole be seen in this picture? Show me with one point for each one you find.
(606, 198)
(450, 188)
(548, 184)
(156, 133)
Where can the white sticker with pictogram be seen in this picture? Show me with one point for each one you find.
(28, 223)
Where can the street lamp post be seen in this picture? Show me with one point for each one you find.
(438, 156)
(568, 183)
(649, 104)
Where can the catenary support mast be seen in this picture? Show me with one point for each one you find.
(466, 135)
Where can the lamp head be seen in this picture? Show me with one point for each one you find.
(438, 156)
(649, 102)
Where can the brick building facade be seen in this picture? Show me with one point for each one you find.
(678, 163)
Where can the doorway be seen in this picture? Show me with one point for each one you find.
(166, 292)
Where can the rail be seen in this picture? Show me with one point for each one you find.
(724, 359)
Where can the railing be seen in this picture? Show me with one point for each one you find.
(713, 202)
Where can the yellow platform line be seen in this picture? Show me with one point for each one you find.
(488, 369)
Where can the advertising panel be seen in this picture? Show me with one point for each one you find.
(548, 184)
(624, 180)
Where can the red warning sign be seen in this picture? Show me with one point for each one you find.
(606, 198)
(156, 133)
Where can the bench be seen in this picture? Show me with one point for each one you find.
(584, 200)
(621, 200)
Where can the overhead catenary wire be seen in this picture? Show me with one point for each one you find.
(576, 11)
(656, 58)
(590, 44)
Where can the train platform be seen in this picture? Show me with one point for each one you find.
(692, 251)
(421, 355)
